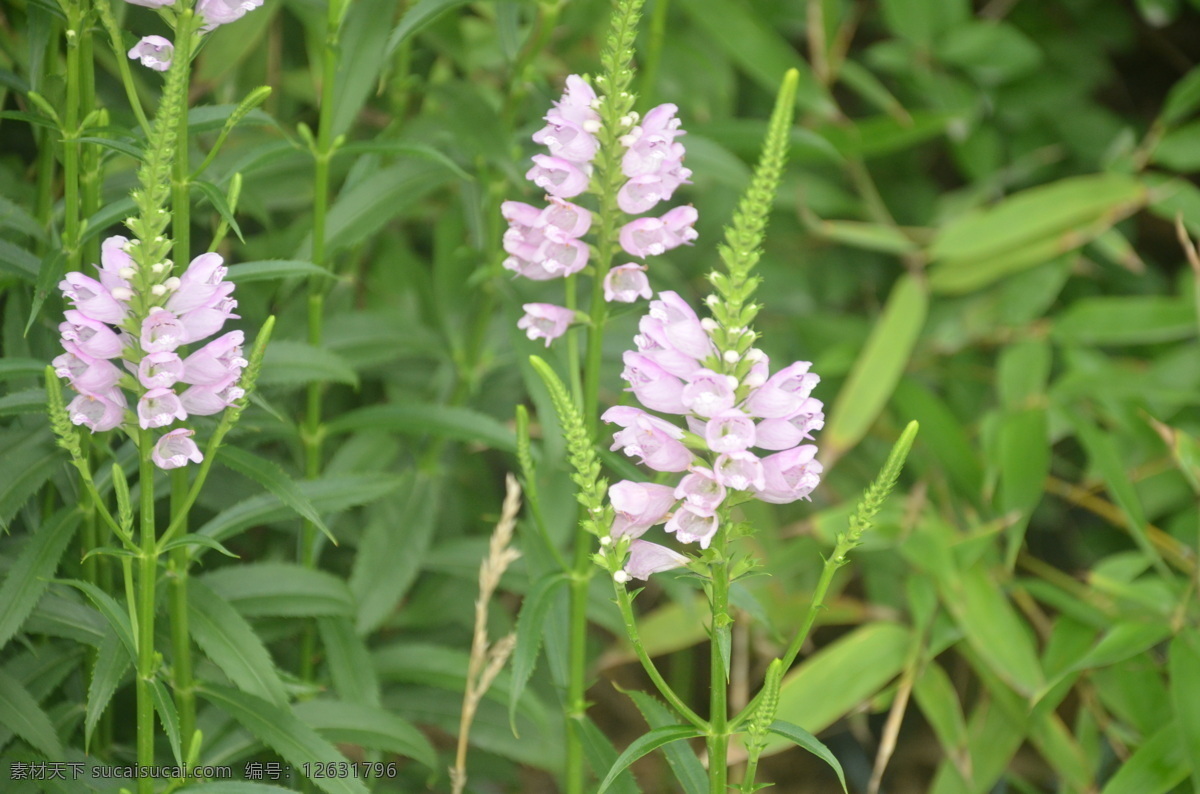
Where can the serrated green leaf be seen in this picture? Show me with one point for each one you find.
(684, 763)
(278, 728)
(22, 715)
(349, 662)
(189, 540)
(50, 271)
(230, 642)
(644, 745)
(112, 662)
(367, 726)
(30, 574)
(530, 624)
(168, 717)
(269, 475)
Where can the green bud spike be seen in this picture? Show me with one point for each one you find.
(124, 504)
(885, 483)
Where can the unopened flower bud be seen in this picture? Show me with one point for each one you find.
(620, 577)
(127, 273)
(730, 356)
(172, 283)
(158, 290)
(121, 293)
(592, 126)
(157, 268)
(709, 324)
(606, 541)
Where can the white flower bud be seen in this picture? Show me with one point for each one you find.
(754, 355)
(127, 273)
(158, 290)
(157, 268)
(172, 283)
(592, 126)
(709, 324)
(606, 541)
(620, 577)
(712, 300)
(732, 381)
(121, 293)
(730, 356)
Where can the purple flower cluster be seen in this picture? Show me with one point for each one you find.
(213, 12)
(676, 369)
(112, 321)
(547, 243)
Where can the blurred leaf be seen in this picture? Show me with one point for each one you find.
(943, 433)
(349, 662)
(26, 401)
(1156, 767)
(690, 773)
(50, 270)
(279, 729)
(1184, 666)
(1121, 320)
(991, 52)
(880, 135)
(27, 463)
(444, 421)
(878, 367)
(674, 626)
(230, 642)
(32, 570)
(269, 475)
(1023, 451)
(1123, 641)
(941, 707)
(802, 738)
(1183, 98)
(920, 21)
(288, 363)
(367, 726)
(1179, 149)
(868, 236)
(839, 677)
(530, 627)
(22, 715)
(18, 262)
(1022, 373)
(601, 756)
(280, 589)
(361, 42)
(644, 745)
(246, 272)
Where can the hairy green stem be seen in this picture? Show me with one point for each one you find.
(147, 579)
(312, 434)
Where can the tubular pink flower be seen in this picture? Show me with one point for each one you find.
(643, 237)
(646, 558)
(175, 449)
(789, 431)
(709, 393)
(222, 12)
(201, 285)
(575, 106)
(691, 527)
(205, 321)
(530, 269)
(701, 491)
(214, 398)
(557, 176)
(639, 506)
(99, 412)
(641, 194)
(789, 475)
(215, 361)
(115, 264)
(86, 373)
(681, 325)
(93, 337)
(154, 52)
(741, 471)
(729, 431)
(679, 222)
(518, 213)
(162, 332)
(570, 219)
(567, 140)
(563, 256)
(160, 370)
(626, 283)
(92, 299)
(654, 387)
(653, 343)
(545, 321)
(783, 393)
(652, 440)
(159, 408)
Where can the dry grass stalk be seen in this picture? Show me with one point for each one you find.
(487, 660)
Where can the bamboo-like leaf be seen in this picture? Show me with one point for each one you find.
(31, 572)
(445, 421)
(269, 475)
(227, 639)
(1184, 666)
(16, 368)
(802, 738)
(644, 745)
(22, 715)
(278, 728)
(1156, 767)
(367, 726)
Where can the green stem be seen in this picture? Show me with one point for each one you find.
(312, 433)
(185, 695)
(654, 45)
(147, 579)
(581, 575)
(181, 208)
(90, 178)
(114, 36)
(718, 735)
(71, 139)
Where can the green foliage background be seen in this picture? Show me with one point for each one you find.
(977, 230)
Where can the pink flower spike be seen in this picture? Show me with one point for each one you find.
(222, 12)
(679, 222)
(709, 393)
(681, 325)
(175, 449)
(162, 332)
(639, 506)
(160, 370)
(791, 430)
(545, 321)
(741, 471)
(535, 271)
(567, 140)
(789, 475)
(654, 387)
(570, 219)
(701, 491)
(652, 440)
(155, 53)
(626, 283)
(518, 213)
(557, 176)
(214, 398)
(783, 393)
(563, 256)
(655, 345)
(641, 194)
(86, 374)
(215, 361)
(207, 320)
(643, 237)
(689, 526)
(93, 337)
(575, 106)
(729, 431)
(92, 299)
(201, 285)
(646, 558)
(159, 408)
(99, 412)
